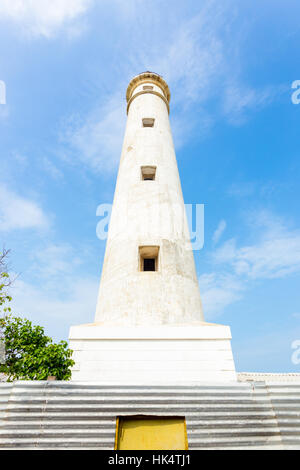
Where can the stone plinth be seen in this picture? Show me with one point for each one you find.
(157, 355)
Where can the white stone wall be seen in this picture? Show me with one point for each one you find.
(148, 213)
(160, 355)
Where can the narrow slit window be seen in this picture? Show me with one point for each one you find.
(149, 264)
(148, 173)
(148, 87)
(148, 258)
(148, 122)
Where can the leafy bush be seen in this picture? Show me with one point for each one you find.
(5, 281)
(30, 354)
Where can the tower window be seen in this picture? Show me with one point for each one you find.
(148, 122)
(148, 173)
(149, 264)
(147, 87)
(148, 258)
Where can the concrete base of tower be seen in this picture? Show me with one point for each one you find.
(152, 355)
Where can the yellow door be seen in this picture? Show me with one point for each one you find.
(157, 433)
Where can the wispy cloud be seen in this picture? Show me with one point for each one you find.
(53, 289)
(43, 17)
(4, 111)
(218, 290)
(194, 54)
(240, 100)
(189, 57)
(201, 61)
(275, 254)
(51, 169)
(17, 212)
(96, 141)
(219, 231)
(73, 303)
(55, 260)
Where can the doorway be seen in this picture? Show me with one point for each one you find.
(151, 433)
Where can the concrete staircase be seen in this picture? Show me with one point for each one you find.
(285, 399)
(78, 415)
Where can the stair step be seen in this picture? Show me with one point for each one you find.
(96, 424)
(143, 400)
(201, 432)
(68, 415)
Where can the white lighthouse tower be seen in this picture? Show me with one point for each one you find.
(149, 325)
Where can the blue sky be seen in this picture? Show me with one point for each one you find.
(230, 66)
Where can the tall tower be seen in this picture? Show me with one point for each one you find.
(149, 326)
(148, 275)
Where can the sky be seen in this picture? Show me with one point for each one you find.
(230, 65)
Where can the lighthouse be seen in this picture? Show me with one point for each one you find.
(149, 325)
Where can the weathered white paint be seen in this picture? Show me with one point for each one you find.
(149, 326)
(137, 355)
(148, 213)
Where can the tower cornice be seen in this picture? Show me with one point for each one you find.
(148, 77)
(147, 91)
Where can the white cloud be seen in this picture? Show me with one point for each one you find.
(17, 212)
(97, 141)
(242, 190)
(226, 252)
(219, 231)
(56, 309)
(53, 291)
(271, 258)
(200, 61)
(193, 54)
(275, 255)
(51, 169)
(218, 290)
(188, 52)
(43, 17)
(190, 60)
(239, 100)
(4, 111)
(55, 260)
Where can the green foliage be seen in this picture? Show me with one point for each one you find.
(30, 354)
(4, 297)
(4, 281)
